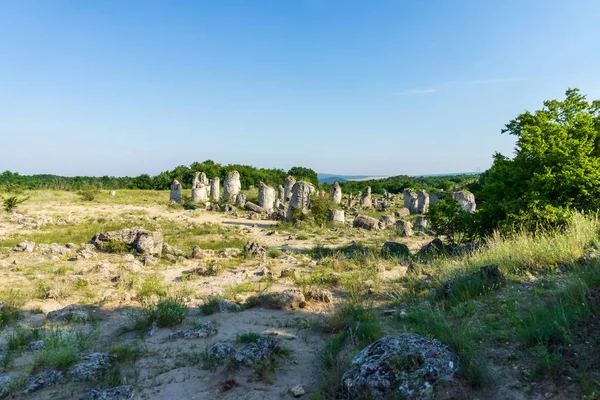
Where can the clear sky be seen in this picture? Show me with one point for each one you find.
(123, 87)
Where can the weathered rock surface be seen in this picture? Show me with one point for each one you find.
(366, 201)
(204, 330)
(337, 216)
(46, 378)
(404, 228)
(366, 222)
(220, 351)
(301, 192)
(288, 185)
(260, 349)
(215, 188)
(72, 312)
(240, 200)
(124, 392)
(335, 193)
(232, 185)
(200, 193)
(175, 194)
(5, 381)
(405, 366)
(395, 249)
(290, 299)
(90, 368)
(466, 200)
(143, 241)
(253, 249)
(422, 202)
(403, 212)
(25, 246)
(436, 246)
(386, 221)
(266, 197)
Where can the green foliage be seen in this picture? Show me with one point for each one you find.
(152, 285)
(396, 184)
(62, 348)
(124, 353)
(212, 305)
(448, 218)
(321, 207)
(21, 337)
(247, 337)
(168, 312)
(556, 167)
(89, 193)
(12, 300)
(11, 203)
(304, 174)
(274, 252)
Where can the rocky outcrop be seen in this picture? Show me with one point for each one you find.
(287, 190)
(143, 241)
(248, 205)
(280, 193)
(466, 200)
(406, 366)
(124, 392)
(25, 246)
(301, 192)
(202, 331)
(290, 299)
(175, 194)
(90, 368)
(232, 185)
(394, 249)
(335, 193)
(266, 197)
(365, 222)
(200, 193)
(240, 200)
(258, 350)
(422, 202)
(253, 249)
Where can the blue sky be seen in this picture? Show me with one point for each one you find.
(123, 87)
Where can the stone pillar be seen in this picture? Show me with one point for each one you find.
(240, 200)
(335, 194)
(289, 184)
(281, 193)
(411, 201)
(422, 202)
(266, 197)
(232, 185)
(350, 200)
(196, 180)
(300, 199)
(365, 200)
(215, 188)
(466, 200)
(200, 193)
(337, 216)
(175, 191)
(203, 179)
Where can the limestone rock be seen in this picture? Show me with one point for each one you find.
(405, 366)
(253, 207)
(366, 222)
(287, 190)
(168, 249)
(220, 351)
(436, 246)
(240, 200)
(266, 197)
(5, 382)
(124, 392)
(466, 200)
(113, 193)
(434, 198)
(175, 192)
(25, 246)
(204, 330)
(260, 349)
(318, 294)
(422, 202)
(143, 241)
(70, 313)
(403, 212)
(335, 193)
(232, 185)
(290, 299)
(215, 188)
(297, 391)
(281, 193)
(301, 192)
(365, 200)
(411, 201)
(200, 193)
(404, 228)
(386, 221)
(90, 368)
(395, 249)
(253, 249)
(46, 378)
(337, 216)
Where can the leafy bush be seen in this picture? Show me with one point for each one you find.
(274, 252)
(11, 203)
(448, 218)
(89, 193)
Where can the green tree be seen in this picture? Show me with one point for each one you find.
(304, 174)
(448, 218)
(556, 167)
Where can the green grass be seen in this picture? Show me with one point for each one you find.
(212, 305)
(124, 353)
(62, 348)
(21, 337)
(152, 285)
(274, 252)
(13, 300)
(247, 337)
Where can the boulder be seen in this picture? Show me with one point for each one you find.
(466, 200)
(90, 368)
(403, 212)
(240, 200)
(260, 349)
(386, 221)
(25, 246)
(46, 378)
(407, 366)
(290, 299)
(202, 331)
(366, 222)
(404, 228)
(5, 383)
(143, 241)
(253, 249)
(335, 193)
(436, 246)
(337, 216)
(231, 185)
(394, 249)
(124, 392)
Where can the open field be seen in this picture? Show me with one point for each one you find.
(186, 324)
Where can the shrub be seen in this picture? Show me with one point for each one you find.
(168, 312)
(11, 203)
(449, 219)
(88, 193)
(247, 337)
(274, 252)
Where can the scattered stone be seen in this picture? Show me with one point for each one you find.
(37, 345)
(366, 222)
(197, 252)
(403, 212)
(85, 254)
(337, 216)
(124, 392)
(318, 294)
(253, 249)
(143, 241)
(395, 249)
(5, 383)
(260, 349)
(220, 351)
(436, 246)
(71, 312)
(52, 294)
(404, 366)
(486, 277)
(168, 249)
(149, 261)
(253, 207)
(112, 193)
(404, 228)
(204, 330)
(386, 221)
(228, 306)
(290, 299)
(90, 368)
(175, 194)
(25, 246)
(231, 185)
(47, 378)
(230, 252)
(298, 390)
